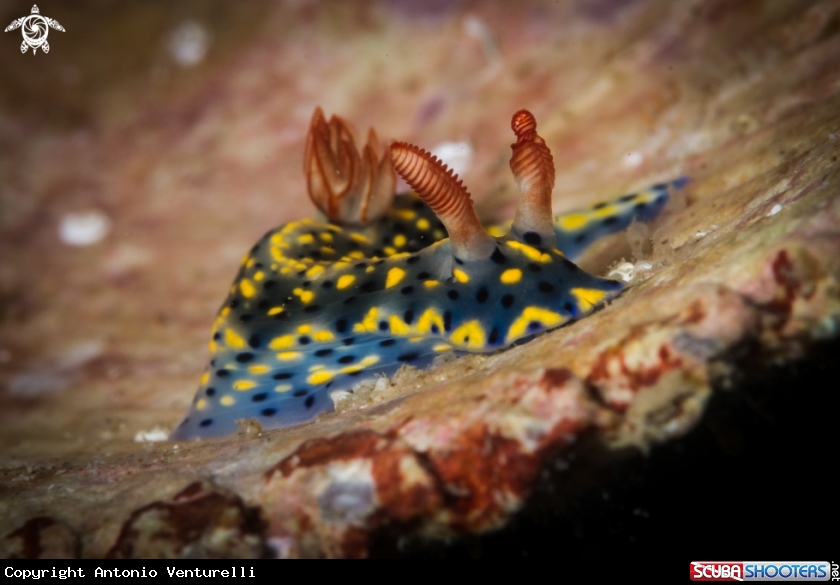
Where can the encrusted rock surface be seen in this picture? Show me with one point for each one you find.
(102, 345)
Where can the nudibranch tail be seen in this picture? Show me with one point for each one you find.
(349, 188)
(441, 190)
(533, 169)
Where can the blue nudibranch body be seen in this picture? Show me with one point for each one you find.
(320, 305)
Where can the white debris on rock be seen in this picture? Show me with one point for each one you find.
(623, 271)
(83, 229)
(188, 43)
(340, 399)
(627, 271)
(776, 209)
(706, 233)
(153, 435)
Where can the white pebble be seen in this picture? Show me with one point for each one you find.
(83, 229)
(776, 209)
(188, 43)
(153, 435)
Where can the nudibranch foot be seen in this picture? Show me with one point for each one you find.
(319, 306)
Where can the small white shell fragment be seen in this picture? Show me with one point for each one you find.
(83, 229)
(153, 435)
(340, 398)
(776, 209)
(623, 271)
(382, 384)
(456, 155)
(188, 43)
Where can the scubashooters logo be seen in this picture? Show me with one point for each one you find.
(760, 571)
(35, 29)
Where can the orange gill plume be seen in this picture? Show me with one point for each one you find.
(348, 187)
(533, 169)
(448, 198)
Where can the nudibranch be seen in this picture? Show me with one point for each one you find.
(382, 281)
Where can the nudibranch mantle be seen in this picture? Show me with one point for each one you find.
(320, 305)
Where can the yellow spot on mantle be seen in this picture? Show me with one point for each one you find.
(283, 388)
(320, 377)
(247, 288)
(305, 295)
(259, 275)
(573, 222)
(587, 297)
(258, 369)
(289, 355)
(395, 275)
(282, 342)
(323, 336)
(201, 404)
(529, 251)
(314, 271)
(345, 281)
(511, 276)
(442, 347)
(233, 340)
(306, 239)
(544, 317)
(399, 240)
(275, 310)
(398, 326)
(305, 329)
(242, 385)
(427, 319)
(205, 378)
(460, 275)
(422, 224)
(227, 400)
(607, 211)
(430, 283)
(470, 334)
(368, 361)
(368, 323)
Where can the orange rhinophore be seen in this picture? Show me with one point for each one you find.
(533, 169)
(441, 190)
